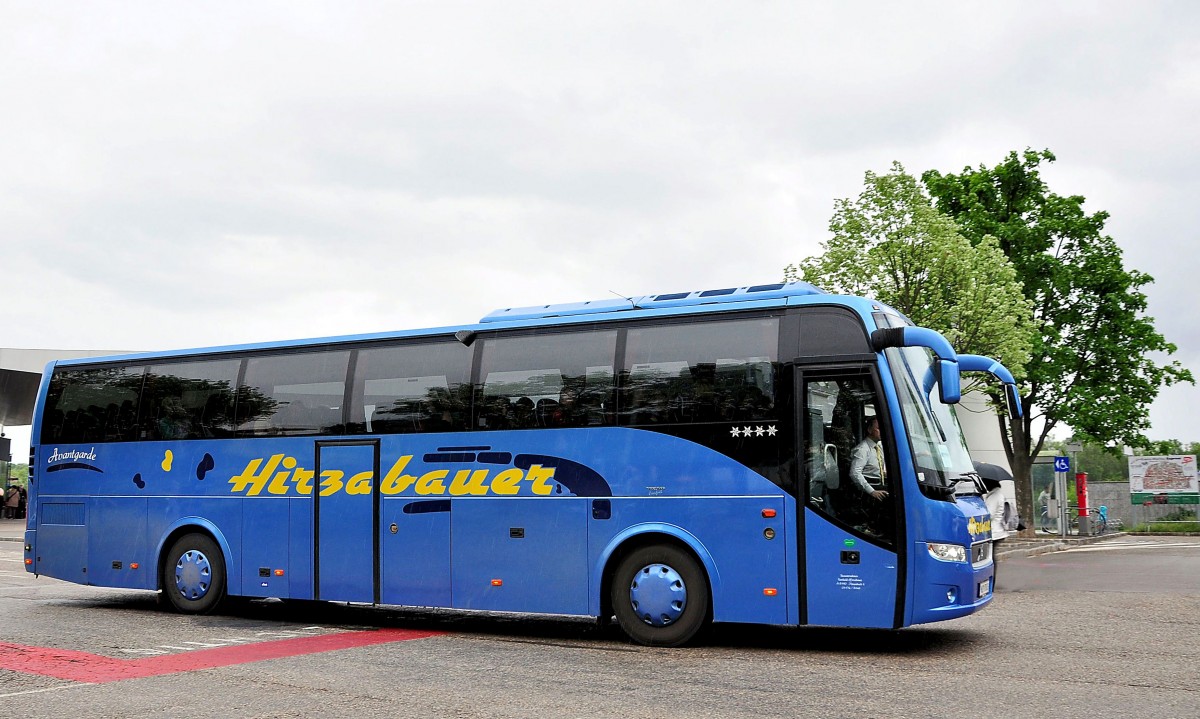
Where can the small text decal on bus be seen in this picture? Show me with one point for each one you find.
(281, 475)
(979, 525)
(74, 454)
(73, 459)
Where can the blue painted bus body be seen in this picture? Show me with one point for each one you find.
(453, 519)
(522, 521)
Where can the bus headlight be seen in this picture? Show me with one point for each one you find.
(947, 552)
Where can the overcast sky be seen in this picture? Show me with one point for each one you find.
(177, 175)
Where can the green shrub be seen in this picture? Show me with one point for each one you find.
(1162, 527)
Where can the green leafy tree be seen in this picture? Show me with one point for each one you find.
(19, 473)
(1169, 447)
(1092, 365)
(890, 244)
(1102, 463)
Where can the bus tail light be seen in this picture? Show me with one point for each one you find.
(134, 565)
(28, 561)
(497, 582)
(771, 592)
(768, 514)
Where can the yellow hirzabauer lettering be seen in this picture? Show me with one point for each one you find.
(280, 475)
(541, 476)
(395, 482)
(252, 483)
(331, 481)
(468, 483)
(279, 483)
(431, 482)
(303, 480)
(508, 482)
(360, 483)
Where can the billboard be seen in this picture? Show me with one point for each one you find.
(1165, 477)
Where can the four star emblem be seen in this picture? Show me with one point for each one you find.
(757, 430)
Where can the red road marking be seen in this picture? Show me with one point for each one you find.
(95, 669)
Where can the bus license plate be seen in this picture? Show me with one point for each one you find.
(984, 587)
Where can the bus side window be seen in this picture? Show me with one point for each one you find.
(92, 405)
(293, 393)
(403, 388)
(189, 400)
(700, 372)
(561, 379)
(847, 482)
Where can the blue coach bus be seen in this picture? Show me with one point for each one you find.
(669, 460)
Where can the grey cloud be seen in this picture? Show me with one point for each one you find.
(178, 175)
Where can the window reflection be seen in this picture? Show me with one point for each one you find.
(293, 394)
(412, 388)
(189, 400)
(551, 380)
(695, 373)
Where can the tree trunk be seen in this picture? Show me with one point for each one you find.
(1021, 462)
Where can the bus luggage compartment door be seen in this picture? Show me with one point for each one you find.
(346, 537)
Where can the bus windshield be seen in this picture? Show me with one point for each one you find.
(938, 448)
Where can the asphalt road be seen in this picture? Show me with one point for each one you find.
(1107, 630)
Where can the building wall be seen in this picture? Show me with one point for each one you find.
(981, 430)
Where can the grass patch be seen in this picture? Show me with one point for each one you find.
(1169, 528)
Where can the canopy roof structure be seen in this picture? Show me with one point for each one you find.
(20, 375)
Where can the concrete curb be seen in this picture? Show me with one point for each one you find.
(12, 530)
(1024, 547)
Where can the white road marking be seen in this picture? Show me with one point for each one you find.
(215, 643)
(1111, 546)
(43, 691)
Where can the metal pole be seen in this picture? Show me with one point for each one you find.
(1060, 490)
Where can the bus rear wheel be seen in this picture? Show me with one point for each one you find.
(193, 577)
(660, 595)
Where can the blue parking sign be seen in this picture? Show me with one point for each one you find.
(1062, 464)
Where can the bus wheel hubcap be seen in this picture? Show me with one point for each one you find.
(193, 574)
(658, 595)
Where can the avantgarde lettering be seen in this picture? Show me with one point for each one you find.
(281, 475)
(57, 456)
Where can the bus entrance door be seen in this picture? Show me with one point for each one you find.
(849, 533)
(851, 581)
(346, 551)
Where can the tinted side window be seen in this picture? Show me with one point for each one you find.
(702, 372)
(92, 405)
(845, 462)
(553, 380)
(826, 331)
(412, 388)
(189, 400)
(293, 394)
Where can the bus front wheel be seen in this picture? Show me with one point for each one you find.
(193, 577)
(660, 595)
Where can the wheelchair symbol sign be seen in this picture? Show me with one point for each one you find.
(1062, 464)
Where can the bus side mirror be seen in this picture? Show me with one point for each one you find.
(1013, 400)
(949, 382)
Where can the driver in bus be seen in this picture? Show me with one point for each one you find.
(867, 475)
(867, 470)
